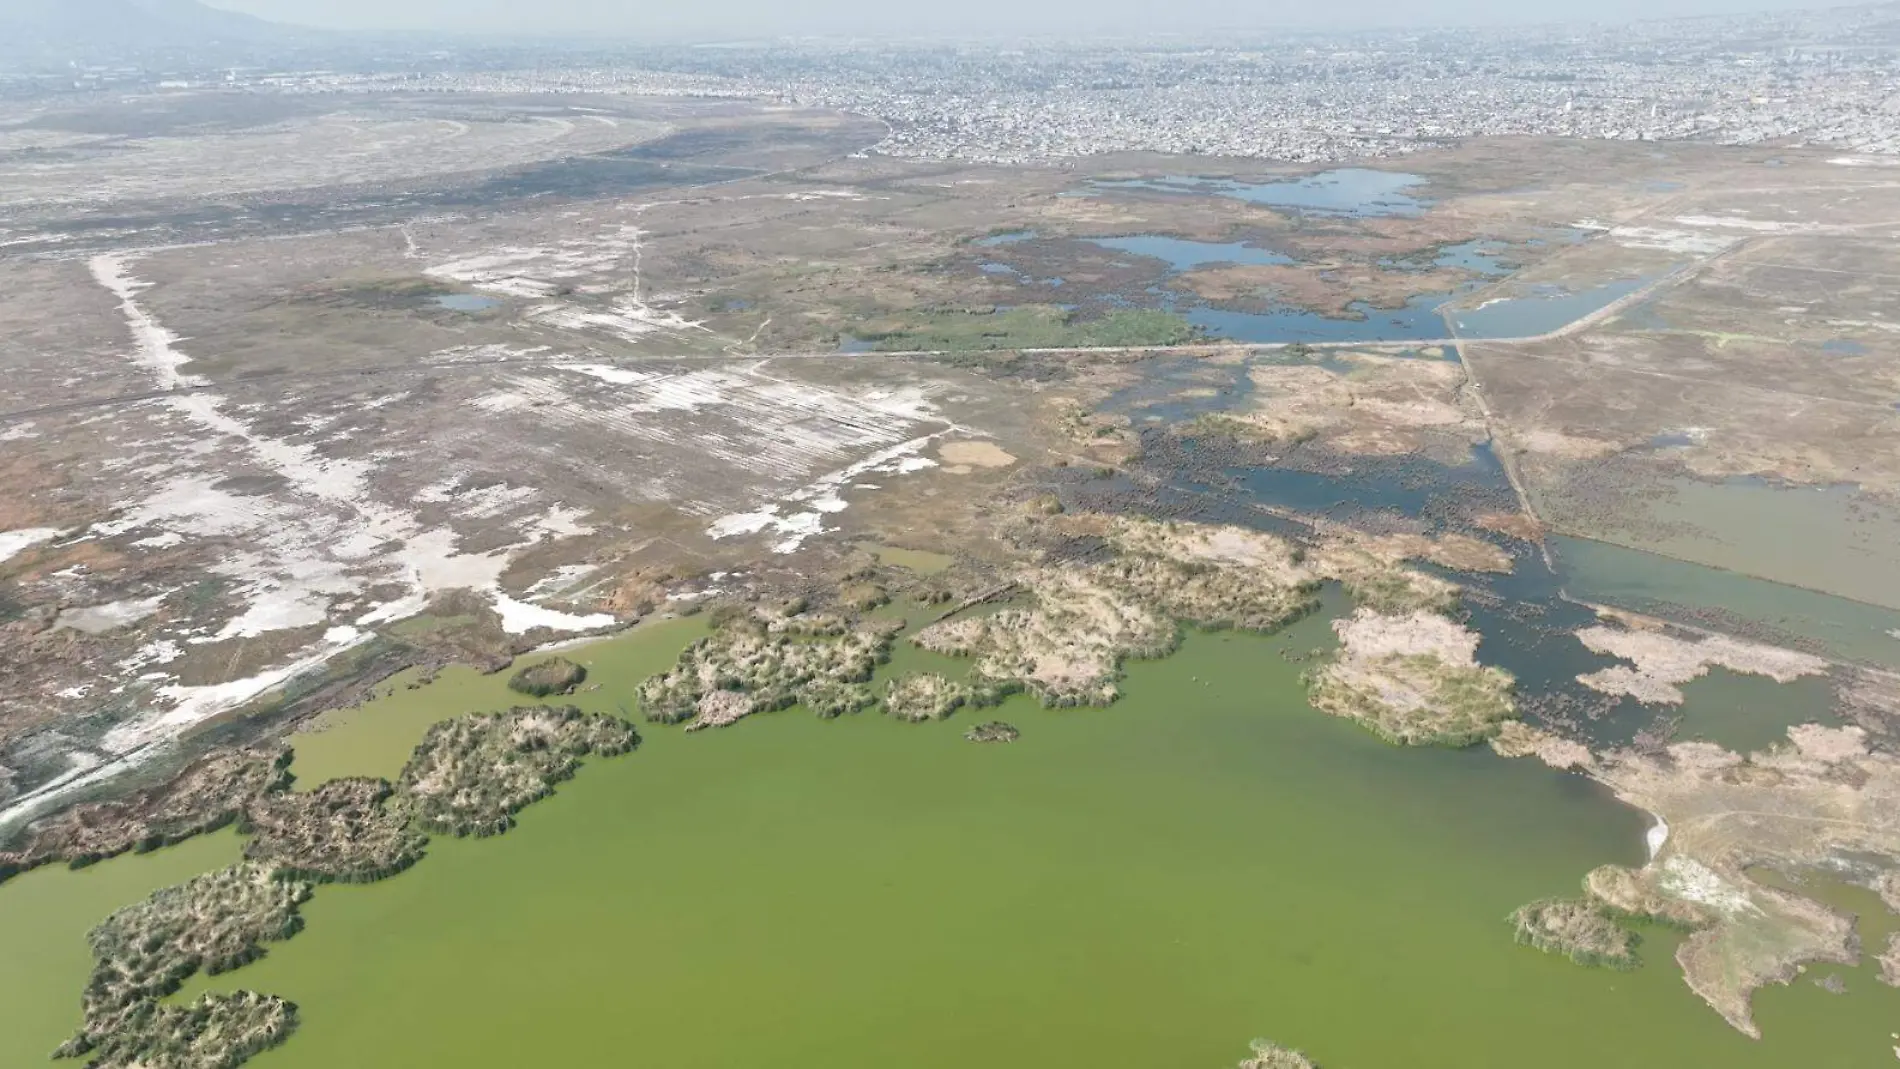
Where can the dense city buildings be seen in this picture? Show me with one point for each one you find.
(1824, 77)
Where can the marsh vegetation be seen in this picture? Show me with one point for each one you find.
(1413, 680)
(208, 794)
(471, 775)
(1579, 930)
(993, 731)
(211, 924)
(343, 831)
(1266, 1054)
(755, 663)
(922, 696)
(556, 675)
(1025, 327)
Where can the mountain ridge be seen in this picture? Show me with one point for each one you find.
(129, 23)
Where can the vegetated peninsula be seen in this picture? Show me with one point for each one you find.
(1066, 628)
(922, 696)
(1823, 799)
(759, 660)
(468, 777)
(1413, 680)
(471, 775)
(211, 924)
(1065, 637)
(208, 794)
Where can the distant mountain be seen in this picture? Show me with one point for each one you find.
(119, 24)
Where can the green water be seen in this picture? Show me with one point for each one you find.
(1749, 714)
(44, 918)
(921, 561)
(1147, 885)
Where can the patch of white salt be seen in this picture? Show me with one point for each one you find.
(99, 619)
(519, 617)
(1691, 880)
(13, 542)
(821, 496)
(155, 343)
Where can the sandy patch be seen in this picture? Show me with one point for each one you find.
(975, 455)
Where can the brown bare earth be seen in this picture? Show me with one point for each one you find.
(655, 393)
(974, 455)
(1380, 406)
(1518, 739)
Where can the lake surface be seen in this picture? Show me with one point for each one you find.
(1147, 885)
(1210, 859)
(1836, 540)
(1650, 583)
(1346, 191)
(1010, 237)
(1479, 255)
(1530, 316)
(465, 302)
(1409, 486)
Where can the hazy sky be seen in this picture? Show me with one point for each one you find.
(742, 18)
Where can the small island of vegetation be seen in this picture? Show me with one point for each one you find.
(1578, 929)
(1269, 1055)
(1413, 680)
(993, 731)
(470, 776)
(756, 661)
(556, 675)
(144, 952)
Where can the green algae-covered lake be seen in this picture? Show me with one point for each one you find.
(1149, 885)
